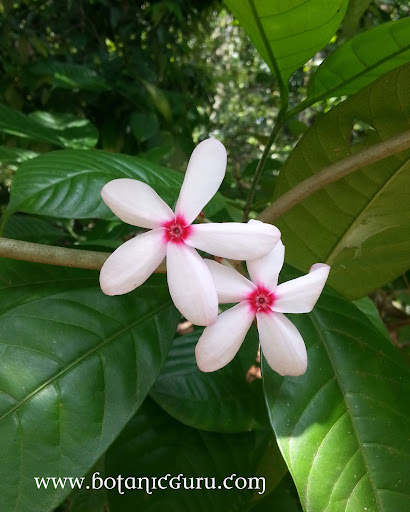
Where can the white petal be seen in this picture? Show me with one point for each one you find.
(136, 203)
(133, 262)
(191, 285)
(300, 295)
(221, 341)
(230, 285)
(282, 345)
(265, 270)
(204, 175)
(234, 240)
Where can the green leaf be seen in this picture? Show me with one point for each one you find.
(362, 60)
(14, 156)
(343, 426)
(70, 76)
(79, 133)
(287, 34)
(221, 401)
(42, 127)
(75, 366)
(154, 444)
(32, 229)
(359, 225)
(67, 184)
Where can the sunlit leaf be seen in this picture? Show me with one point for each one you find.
(343, 426)
(287, 34)
(64, 130)
(362, 60)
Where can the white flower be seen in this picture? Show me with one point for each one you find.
(281, 342)
(173, 235)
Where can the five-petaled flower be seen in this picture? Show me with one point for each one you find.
(173, 235)
(281, 342)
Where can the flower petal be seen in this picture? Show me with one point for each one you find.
(234, 240)
(230, 285)
(136, 203)
(191, 285)
(133, 262)
(221, 341)
(204, 175)
(281, 343)
(300, 295)
(265, 270)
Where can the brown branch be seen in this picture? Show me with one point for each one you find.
(334, 173)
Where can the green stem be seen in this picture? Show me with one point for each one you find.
(281, 118)
(51, 255)
(335, 172)
(261, 164)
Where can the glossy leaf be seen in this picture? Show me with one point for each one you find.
(67, 184)
(80, 133)
(343, 426)
(154, 444)
(221, 401)
(359, 225)
(288, 34)
(75, 366)
(41, 127)
(362, 60)
(14, 156)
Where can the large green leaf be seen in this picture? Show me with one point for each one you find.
(359, 224)
(67, 184)
(343, 427)
(154, 444)
(362, 60)
(221, 401)
(287, 34)
(75, 366)
(44, 127)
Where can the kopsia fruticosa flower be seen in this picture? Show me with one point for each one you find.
(281, 343)
(173, 235)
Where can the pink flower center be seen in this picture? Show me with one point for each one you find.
(176, 230)
(261, 300)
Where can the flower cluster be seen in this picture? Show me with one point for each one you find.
(197, 285)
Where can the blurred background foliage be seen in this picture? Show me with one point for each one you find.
(152, 79)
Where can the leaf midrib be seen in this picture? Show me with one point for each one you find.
(90, 352)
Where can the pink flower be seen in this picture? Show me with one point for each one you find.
(281, 343)
(173, 235)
